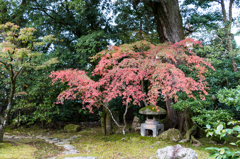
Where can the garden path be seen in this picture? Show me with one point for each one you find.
(69, 149)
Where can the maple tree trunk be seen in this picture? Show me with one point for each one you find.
(106, 122)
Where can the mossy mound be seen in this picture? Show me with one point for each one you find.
(231, 138)
(72, 128)
(173, 135)
(152, 110)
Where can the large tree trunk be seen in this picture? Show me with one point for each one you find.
(170, 29)
(171, 119)
(169, 20)
(180, 120)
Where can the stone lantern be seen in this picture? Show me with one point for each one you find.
(151, 123)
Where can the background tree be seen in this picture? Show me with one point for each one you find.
(82, 30)
(69, 21)
(135, 24)
(223, 16)
(17, 53)
(13, 11)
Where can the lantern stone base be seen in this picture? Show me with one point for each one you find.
(156, 129)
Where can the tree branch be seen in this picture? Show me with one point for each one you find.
(224, 11)
(43, 9)
(124, 116)
(142, 85)
(230, 10)
(217, 1)
(5, 64)
(18, 73)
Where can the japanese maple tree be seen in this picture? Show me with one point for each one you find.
(124, 69)
(18, 49)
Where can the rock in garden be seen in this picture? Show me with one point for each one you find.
(173, 135)
(56, 139)
(136, 125)
(64, 141)
(12, 126)
(72, 128)
(73, 137)
(176, 152)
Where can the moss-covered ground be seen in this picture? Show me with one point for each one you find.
(92, 143)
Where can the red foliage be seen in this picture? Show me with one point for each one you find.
(122, 69)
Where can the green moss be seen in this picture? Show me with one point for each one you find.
(32, 130)
(72, 128)
(153, 109)
(93, 143)
(13, 150)
(45, 150)
(29, 148)
(173, 135)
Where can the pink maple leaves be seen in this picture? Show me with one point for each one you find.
(123, 71)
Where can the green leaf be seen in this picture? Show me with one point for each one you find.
(208, 126)
(212, 148)
(222, 151)
(217, 131)
(219, 157)
(236, 128)
(220, 127)
(229, 153)
(229, 131)
(210, 133)
(222, 135)
(213, 155)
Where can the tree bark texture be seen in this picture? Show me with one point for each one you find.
(1, 134)
(4, 119)
(234, 64)
(106, 122)
(169, 20)
(170, 29)
(179, 120)
(228, 27)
